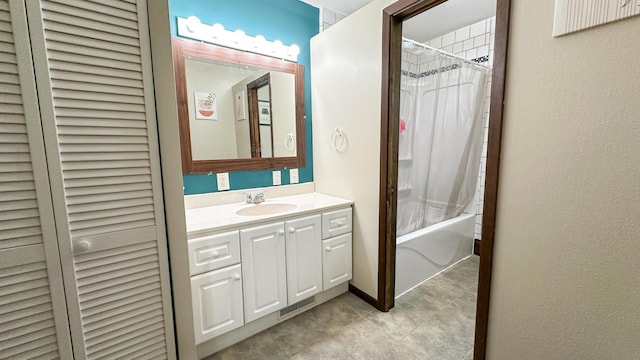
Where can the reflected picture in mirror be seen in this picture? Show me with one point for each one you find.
(228, 138)
(237, 110)
(206, 106)
(240, 102)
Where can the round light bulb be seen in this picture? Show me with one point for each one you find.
(259, 42)
(294, 50)
(239, 36)
(217, 30)
(193, 23)
(277, 47)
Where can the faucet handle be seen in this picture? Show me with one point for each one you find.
(258, 198)
(249, 198)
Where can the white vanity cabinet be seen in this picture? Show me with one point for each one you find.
(216, 284)
(336, 247)
(304, 260)
(263, 270)
(248, 268)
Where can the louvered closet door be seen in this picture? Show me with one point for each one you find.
(93, 70)
(33, 320)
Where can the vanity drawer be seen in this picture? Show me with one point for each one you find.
(336, 223)
(213, 252)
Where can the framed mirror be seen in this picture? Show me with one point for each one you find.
(237, 110)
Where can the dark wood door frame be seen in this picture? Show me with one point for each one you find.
(393, 16)
(254, 114)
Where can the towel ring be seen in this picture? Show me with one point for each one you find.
(338, 139)
(290, 142)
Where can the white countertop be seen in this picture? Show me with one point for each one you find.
(206, 220)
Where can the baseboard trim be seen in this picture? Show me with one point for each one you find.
(476, 247)
(364, 296)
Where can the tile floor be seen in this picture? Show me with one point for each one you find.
(434, 321)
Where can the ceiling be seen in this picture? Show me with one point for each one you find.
(440, 20)
(344, 7)
(447, 17)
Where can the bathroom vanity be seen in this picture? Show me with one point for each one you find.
(255, 265)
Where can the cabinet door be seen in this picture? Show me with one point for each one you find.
(336, 261)
(92, 64)
(217, 302)
(304, 258)
(263, 270)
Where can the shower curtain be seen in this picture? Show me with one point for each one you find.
(440, 136)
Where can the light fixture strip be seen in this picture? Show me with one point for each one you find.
(193, 28)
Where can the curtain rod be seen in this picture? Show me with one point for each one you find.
(424, 46)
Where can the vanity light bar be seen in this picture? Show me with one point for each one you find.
(193, 28)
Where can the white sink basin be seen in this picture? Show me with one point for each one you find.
(266, 209)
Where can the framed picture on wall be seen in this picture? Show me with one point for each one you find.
(264, 112)
(240, 100)
(576, 15)
(206, 106)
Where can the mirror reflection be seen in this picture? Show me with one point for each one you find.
(264, 119)
(237, 110)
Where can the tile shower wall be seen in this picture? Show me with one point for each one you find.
(474, 42)
(329, 17)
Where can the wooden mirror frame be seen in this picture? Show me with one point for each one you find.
(393, 16)
(183, 48)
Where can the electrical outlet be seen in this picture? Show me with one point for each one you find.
(277, 178)
(223, 181)
(293, 176)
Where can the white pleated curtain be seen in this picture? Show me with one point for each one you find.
(440, 137)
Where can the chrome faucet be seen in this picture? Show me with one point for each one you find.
(258, 198)
(254, 199)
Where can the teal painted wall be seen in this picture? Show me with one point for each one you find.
(292, 22)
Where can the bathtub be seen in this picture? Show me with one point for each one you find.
(426, 252)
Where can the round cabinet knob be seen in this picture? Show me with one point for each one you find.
(237, 277)
(328, 249)
(214, 254)
(340, 223)
(81, 246)
(280, 232)
(292, 230)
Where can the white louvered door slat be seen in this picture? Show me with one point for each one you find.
(93, 69)
(33, 321)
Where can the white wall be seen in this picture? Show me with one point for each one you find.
(243, 134)
(329, 17)
(567, 252)
(283, 106)
(264, 99)
(346, 73)
(169, 137)
(212, 139)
